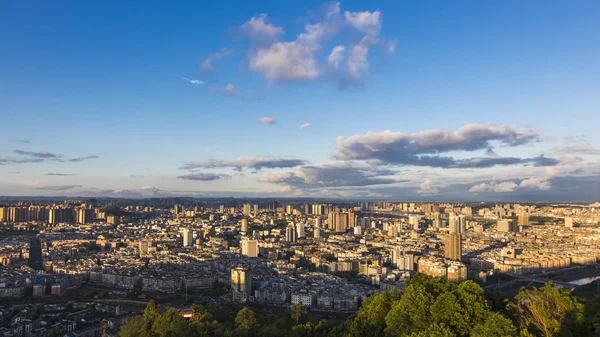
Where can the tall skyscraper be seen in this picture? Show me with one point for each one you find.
(317, 233)
(187, 237)
(453, 247)
(244, 225)
(3, 214)
(300, 230)
(249, 247)
(255, 207)
(247, 209)
(36, 260)
(290, 233)
(523, 219)
(241, 280)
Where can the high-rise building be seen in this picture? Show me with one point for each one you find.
(3, 214)
(523, 218)
(506, 226)
(246, 209)
(341, 222)
(318, 223)
(317, 232)
(245, 225)
(413, 221)
(290, 233)
(144, 246)
(221, 209)
(36, 260)
(453, 223)
(84, 215)
(255, 207)
(177, 209)
(453, 247)
(187, 237)
(300, 230)
(569, 222)
(249, 247)
(241, 280)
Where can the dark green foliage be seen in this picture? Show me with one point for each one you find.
(428, 307)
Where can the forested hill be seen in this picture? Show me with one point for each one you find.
(428, 307)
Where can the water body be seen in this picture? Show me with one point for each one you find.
(584, 281)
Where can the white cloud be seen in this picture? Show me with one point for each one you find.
(506, 186)
(336, 56)
(267, 120)
(207, 64)
(427, 188)
(192, 81)
(536, 183)
(304, 126)
(259, 31)
(287, 61)
(366, 22)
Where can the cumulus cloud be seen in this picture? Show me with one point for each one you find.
(259, 31)
(207, 63)
(254, 163)
(296, 60)
(533, 183)
(336, 56)
(366, 22)
(267, 120)
(305, 126)
(192, 81)
(498, 187)
(204, 176)
(424, 148)
(539, 183)
(336, 174)
(427, 188)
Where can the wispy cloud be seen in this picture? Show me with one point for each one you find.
(37, 154)
(192, 81)
(204, 176)
(60, 174)
(254, 163)
(305, 126)
(267, 120)
(229, 89)
(80, 159)
(58, 187)
(207, 65)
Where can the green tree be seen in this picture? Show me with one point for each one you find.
(297, 311)
(170, 324)
(370, 319)
(410, 313)
(494, 325)
(132, 328)
(447, 311)
(245, 321)
(547, 311)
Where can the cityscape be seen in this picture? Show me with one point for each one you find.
(305, 169)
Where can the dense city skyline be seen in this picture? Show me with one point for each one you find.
(333, 100)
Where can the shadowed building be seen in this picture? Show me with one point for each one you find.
(36, 260)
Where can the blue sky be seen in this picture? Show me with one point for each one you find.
(110, 82)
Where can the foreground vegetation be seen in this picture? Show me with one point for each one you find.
(428, 307)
